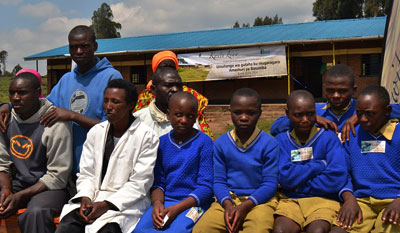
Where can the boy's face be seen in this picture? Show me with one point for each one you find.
(23, 97)
(115, 105)
(168, 85)
(371, 113)
(82, 48)
(182, 113)
(338, 91)
(245, 112)
(301, 113)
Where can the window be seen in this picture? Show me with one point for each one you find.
(370, 64)
(138, 74)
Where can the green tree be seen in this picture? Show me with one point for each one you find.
(3, 60)
(348, 9)
(245, 25)
(236, 24)
(373, 8)
(16, 69)
(103, 24)
(258, 21)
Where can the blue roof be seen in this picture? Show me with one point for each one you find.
(278, 33)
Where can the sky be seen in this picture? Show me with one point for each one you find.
(30, 27)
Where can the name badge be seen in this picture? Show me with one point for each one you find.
(301, 154)
(373, 146)
(195, 213)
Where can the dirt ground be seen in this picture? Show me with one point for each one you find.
(218, 116)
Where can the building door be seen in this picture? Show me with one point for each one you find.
(312, 74)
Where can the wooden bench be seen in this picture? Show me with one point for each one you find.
(10, 225)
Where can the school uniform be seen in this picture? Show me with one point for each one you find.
(244, 171)
(182, 170)
(374, 174)
(311, 176)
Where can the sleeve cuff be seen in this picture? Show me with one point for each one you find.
(154, 187)
(225, 198)
(196, 198)
(255, 202)
(344, 190)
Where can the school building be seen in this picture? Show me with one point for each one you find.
(311, 48)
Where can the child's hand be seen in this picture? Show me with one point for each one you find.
(392, 212)
(229, 215)
(158, 218)
(349, 211)
(172, 212)
(349, 125)
(326, 124)
(240, 212)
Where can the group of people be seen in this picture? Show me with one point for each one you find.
(81, 153)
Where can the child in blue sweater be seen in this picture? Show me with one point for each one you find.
(183, 174)
(245, 173)
(312, 170)
(372, 193)
(338, 87)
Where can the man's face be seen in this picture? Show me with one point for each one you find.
(115, 105)
(371, 113)
(82, 48)
(169, 84)
(338, 91)
(182, 113)
(245, 112)
(301, 113)
(23, 97)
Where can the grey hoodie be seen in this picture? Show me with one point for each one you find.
(39, 153)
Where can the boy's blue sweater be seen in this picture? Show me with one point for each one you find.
(249, 172)
(322, 176)
(186, 169)
(373, 174)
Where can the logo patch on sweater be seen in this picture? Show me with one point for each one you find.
(301, 154)
(78, 102)
(21, 146)
(373, 146)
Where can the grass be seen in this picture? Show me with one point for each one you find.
(193, 74)
(262, 124)
(5, 83)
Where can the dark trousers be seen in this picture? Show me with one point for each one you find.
(40, 211)
(72, 223)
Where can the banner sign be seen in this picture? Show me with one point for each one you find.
(390, 78)
(266, 61)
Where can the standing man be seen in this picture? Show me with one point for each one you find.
(42, 157)
(78, 96)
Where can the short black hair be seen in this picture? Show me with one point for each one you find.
(34, 81)
(378, 91)
(247, 92)
(161, 71)
(340, 70)
(131, 95)
(183, 95)
(83, 29)
(299, 94)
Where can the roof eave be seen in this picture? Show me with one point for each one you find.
(286, 42)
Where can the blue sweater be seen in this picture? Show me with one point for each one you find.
(83, 93)
(373, 174)
(185, 170)
(282, 124)
(249, 172)
(322, 176)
